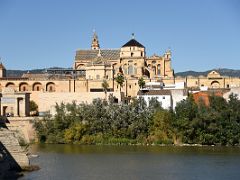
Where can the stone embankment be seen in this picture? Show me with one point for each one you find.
(12, 157)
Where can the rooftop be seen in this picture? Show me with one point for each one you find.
(133, 42)
(107, 54)
(154, 92)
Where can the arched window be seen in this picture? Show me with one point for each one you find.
(37, 86)
(135, 68)
(130, 69)
(158, 69)
(10, 85)
(215, 84)
(125, 69)
(154, 70)
(80, 66)
(50, 87)
(23, 87)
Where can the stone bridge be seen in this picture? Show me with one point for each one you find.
(13, 157)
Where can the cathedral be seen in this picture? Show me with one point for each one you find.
(83, 82)
(130, 60)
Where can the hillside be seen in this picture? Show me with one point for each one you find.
(223, 72)
(19, 73)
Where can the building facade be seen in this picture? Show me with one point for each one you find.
(93, 66)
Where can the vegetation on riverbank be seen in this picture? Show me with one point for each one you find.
(136, 123)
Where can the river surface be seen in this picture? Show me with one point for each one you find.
(67, 162)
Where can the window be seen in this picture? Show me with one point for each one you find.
(38, 88)
(154, 70)
(141, 53)
(130, 69)
(130, 86)
(131, 54)
(159, 69)
(125, 69)
(163, 97)
(228, 86)
(135, 68)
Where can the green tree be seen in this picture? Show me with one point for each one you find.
(162, 130)
(120, 80)
(105, 86)
(141, 82)
(33, 106)
(185, 113)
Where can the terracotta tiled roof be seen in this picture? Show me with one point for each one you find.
(154, 92)
(107, 54)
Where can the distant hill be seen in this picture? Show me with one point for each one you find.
(223, 72)
(19, 73)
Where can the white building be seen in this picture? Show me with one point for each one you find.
(163, 96)
(167, 95)
(234, 90)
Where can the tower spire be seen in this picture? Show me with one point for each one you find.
(95, 43)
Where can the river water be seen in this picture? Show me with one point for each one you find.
(67, 162)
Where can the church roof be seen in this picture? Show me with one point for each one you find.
(107, 54)
(133, 42)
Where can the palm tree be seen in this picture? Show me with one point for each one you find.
(105, 86)
(120, 80)
(141, 82)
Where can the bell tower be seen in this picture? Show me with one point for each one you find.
(2, 70)
(95, 43)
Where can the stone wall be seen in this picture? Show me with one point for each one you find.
(47, 101)
(23, 128)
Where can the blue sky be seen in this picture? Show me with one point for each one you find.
(202, 34)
